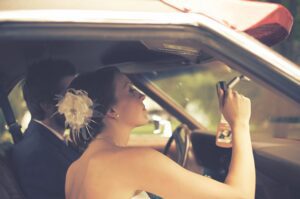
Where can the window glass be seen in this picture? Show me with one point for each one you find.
(161, 123)
(19, 107)
(21, 114)
(194, 88)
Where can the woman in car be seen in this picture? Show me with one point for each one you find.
(102, 107)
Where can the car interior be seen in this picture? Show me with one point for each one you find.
(148, 62)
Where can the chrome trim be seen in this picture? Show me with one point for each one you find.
(93, 16)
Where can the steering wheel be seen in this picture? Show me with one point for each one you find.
(181, 136)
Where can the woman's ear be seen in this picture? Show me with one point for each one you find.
(112, 113)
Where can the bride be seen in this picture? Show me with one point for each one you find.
(102, 107)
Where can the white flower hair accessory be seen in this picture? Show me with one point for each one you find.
(77, 108)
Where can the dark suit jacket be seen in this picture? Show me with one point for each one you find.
(41, 161)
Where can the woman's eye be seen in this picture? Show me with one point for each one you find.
(132, 89)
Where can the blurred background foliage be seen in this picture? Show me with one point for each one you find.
(194, 89)
(290, 47)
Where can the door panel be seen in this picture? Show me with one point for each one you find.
(277, 164)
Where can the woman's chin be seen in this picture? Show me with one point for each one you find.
(144, 122)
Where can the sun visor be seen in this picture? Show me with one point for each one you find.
(270, 23)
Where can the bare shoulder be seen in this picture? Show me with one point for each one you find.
(136, 161)
(124, 164)
(140, 152)
(130, 159)
(71, 169)
(69, 178)
(138, 156)
(127, 156)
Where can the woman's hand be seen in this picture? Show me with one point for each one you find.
(236, 107)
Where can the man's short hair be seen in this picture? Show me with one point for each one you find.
(43, 83)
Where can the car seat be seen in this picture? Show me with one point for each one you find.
(9, 187)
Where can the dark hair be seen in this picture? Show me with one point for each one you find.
(43, 83)
(100, 87)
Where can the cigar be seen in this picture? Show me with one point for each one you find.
(235, 80)
(222, 85)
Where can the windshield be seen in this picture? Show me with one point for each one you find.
(194, 89)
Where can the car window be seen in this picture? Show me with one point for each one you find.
(160, 123)
(21, 113)
(194, 88)
(20, 110)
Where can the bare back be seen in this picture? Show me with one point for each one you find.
(99, 174)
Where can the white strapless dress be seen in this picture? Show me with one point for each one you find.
(142, 195)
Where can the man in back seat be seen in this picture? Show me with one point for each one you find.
(42, 158)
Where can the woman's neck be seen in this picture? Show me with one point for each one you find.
(117, 135)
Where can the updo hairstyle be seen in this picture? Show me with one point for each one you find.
(100, 88)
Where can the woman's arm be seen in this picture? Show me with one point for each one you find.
(241, 175)
(153, 172)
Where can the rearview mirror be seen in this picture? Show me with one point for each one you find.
(161, 126)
